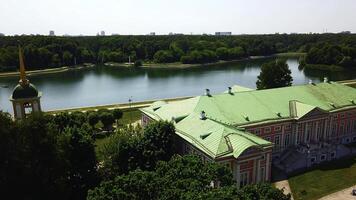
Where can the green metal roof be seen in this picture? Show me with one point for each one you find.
(24, 91)
(227, 112)
(216, 139)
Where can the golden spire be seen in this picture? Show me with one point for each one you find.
(23, 80)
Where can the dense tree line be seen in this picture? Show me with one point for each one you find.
(46, 52)
(343, 55)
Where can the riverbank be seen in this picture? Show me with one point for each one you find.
(176, 65)
(179, 65)
(290, 54)
(332, 68)
(46, 71)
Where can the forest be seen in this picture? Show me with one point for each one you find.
(54, 51)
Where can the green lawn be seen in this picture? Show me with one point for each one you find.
(324, 180)
(130, 116)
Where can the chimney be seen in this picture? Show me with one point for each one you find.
(202, 115)
(207, 92)
(230, 90)
(326, 80)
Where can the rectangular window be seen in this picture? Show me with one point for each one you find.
(288, 127)
(262, 174)
(286, 140)
(268, 139)
(258, 131)
(277, 140)
(312, 160)
(300, 126)
(334, 129)
(318, 131)
(267, 130)
(277, 128)
(309, 132)
(347, 129)
(323, 157)
(243, 179)
(342, 128)
(342, 116)
(297, 140)
(332, 155)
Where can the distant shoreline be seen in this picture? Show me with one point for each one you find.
(177, 65)
(45, 71)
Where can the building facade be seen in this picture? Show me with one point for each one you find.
(223, 33)
(244, 129)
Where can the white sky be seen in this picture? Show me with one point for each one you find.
(180, 16)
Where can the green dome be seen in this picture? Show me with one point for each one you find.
(26, 91)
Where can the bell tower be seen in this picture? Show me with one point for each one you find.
(25, 97)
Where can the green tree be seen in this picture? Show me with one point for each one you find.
(223, 53)
(138, 63)
(184, 177)
(132, 148)
(39, 160)
(117, 113)
(163, 56)
(274, 74)
(67, 58)
(157, 143)
(93, 118)
(107, 119)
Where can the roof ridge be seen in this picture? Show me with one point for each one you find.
(240, 134)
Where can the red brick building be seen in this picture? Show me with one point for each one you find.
(245, 129)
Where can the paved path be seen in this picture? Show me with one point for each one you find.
(284, 184)
(341, 195)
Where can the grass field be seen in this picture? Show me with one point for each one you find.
(333, 68)
(324, 180)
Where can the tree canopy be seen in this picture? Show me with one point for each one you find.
(47, 52)
(184, 177)
(274, 74)
(42, 160)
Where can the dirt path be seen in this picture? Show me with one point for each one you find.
(284, 184)
(341, 195)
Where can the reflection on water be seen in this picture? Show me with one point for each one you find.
(106, 85)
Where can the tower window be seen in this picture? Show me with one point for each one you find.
(28, 107)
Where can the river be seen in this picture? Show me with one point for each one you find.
(108, 85)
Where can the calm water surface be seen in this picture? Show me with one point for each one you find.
(107, 85)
